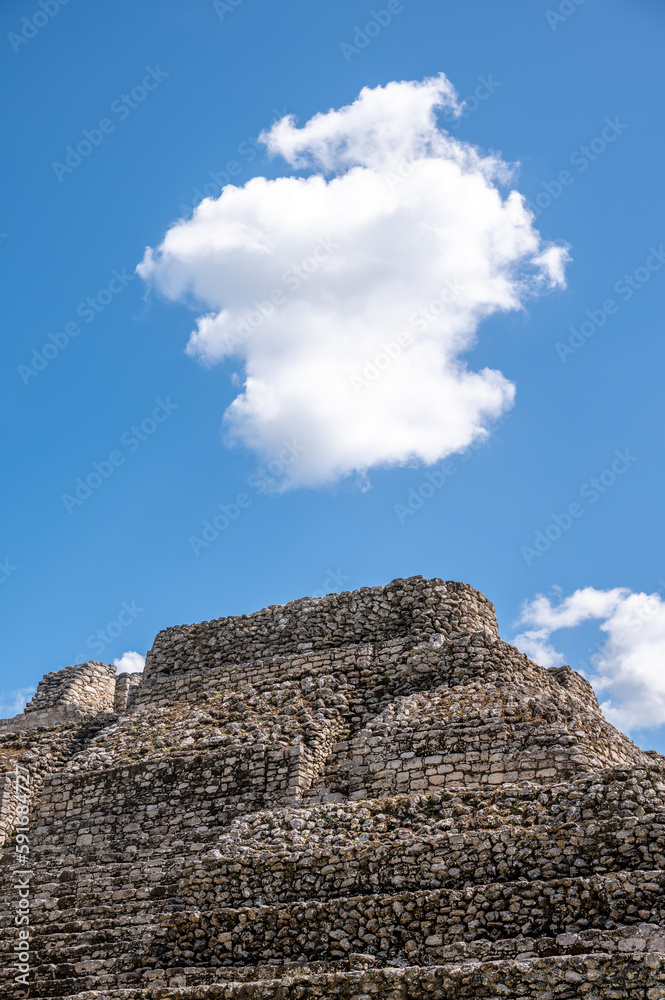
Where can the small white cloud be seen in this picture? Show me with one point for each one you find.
(630, 662)
(399, 230)
(15, 701)
(129, 663)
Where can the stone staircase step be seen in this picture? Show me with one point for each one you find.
(411, 924)
(565, 977)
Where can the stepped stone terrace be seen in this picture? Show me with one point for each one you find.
(364, 795)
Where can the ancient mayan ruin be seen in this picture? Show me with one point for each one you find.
(367, 795)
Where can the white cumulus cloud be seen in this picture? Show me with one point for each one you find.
(129, 663)
(629, 664)
(349, 296)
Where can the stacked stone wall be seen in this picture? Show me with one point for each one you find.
(620, 976)
(40, 751)
(73, 694)
(126, 691)
(184, 660)
(442, 861)
(7, 805)
(415, 925)
(475, 735)
(172, 798)
(90, 686)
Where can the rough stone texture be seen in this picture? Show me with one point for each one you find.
(260, 648)
(367, 795)
(126, 690)
(70, 695)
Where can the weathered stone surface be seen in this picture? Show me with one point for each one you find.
(70, 695)
(367, 795)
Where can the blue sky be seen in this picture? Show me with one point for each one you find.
(172, 96)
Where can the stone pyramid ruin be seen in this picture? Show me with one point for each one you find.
(364, 795)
